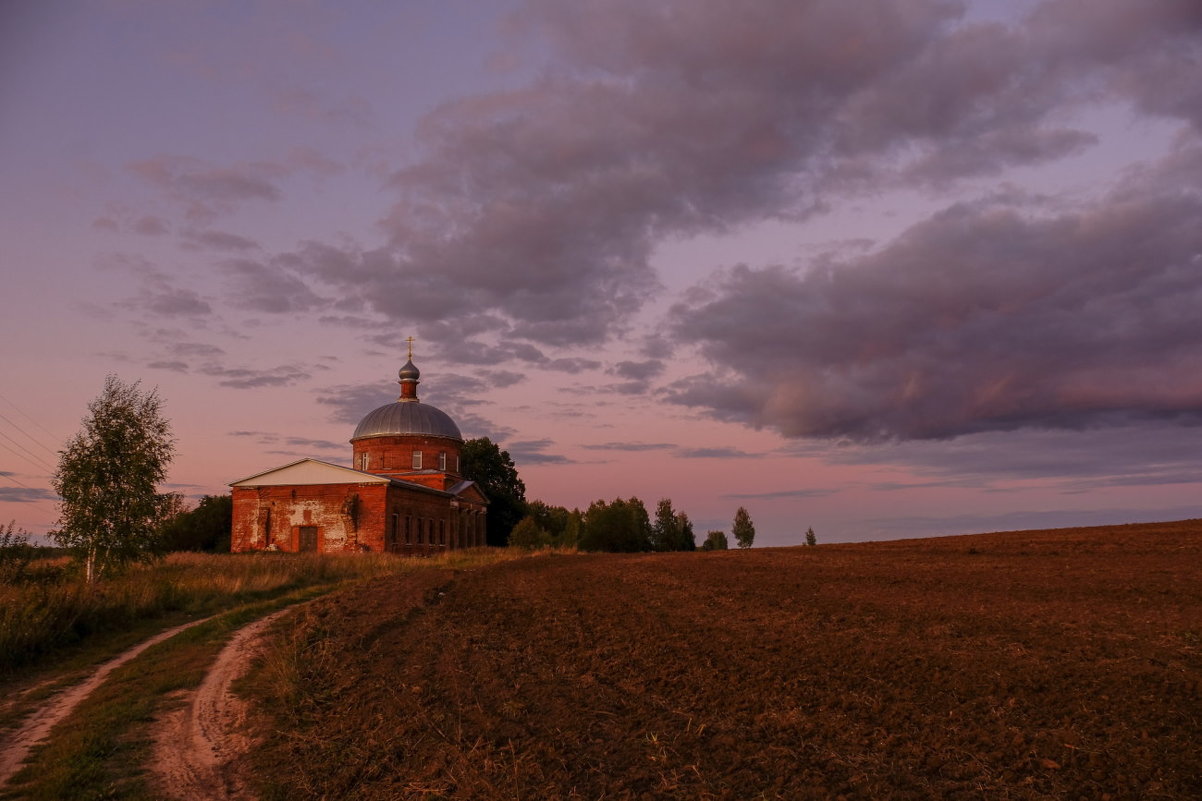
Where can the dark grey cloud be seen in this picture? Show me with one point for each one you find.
(528, 452)
(173, 366)
(982, 318)
(191, 349)
(210, 239)
(630, 446)
(159, 293)
(572, 365)
(253, 378)
(269, 439)
(502, 378)
(715, 453)
(351, 402)
(268, 287)
(638, 371)
(1073, 461)
(206, 190)
(26, 494)
(807, 492)
(150, 225)
(534, 210)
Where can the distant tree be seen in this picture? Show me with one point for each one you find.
(108, 477)
(686, 540)
(619, 526)
(672, 530)
(205, 528)
(529, 534)
(551, 519)
(482, 461)
(715, 541)
(811, 538)
(573, 530)
(743, 531)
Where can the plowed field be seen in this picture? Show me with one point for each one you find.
(1060, 664)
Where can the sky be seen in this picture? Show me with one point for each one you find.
(882, 268)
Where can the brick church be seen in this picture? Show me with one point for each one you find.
(403, 494)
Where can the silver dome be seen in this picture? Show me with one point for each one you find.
(407, 417)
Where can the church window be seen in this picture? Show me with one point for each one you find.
(442, 460)
(363, 461)
(442, 532)
(417, 460)
(408, 530)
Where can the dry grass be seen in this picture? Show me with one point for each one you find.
(49, 607)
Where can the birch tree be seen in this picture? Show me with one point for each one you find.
(108, 479)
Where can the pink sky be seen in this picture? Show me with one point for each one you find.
(883, 269)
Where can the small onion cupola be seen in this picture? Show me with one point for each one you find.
(409, 375)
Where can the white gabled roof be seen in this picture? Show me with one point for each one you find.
(310, 471)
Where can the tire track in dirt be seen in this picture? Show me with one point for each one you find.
(196, 745)
(15, 748)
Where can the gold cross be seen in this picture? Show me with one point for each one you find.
(410, 341)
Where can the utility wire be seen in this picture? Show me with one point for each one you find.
(53, 437)
(32, 457)
(31, 437)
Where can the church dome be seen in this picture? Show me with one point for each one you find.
(407, 417)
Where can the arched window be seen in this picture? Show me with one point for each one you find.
(442, 460)
(417, 460)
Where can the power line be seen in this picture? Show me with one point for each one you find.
(32, 457)
(30, 419)
(31, 437)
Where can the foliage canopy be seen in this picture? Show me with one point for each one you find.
(108, 478)
(744, 530)
(482, 461)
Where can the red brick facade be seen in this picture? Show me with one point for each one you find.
(356, 517)
(403, 493)
(394, 456)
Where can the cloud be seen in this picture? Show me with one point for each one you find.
(209, 239)
(809, 492)
(715, 453)
(267, 439)
(268, 287)
(251, 378)
(158, 292)
(350, 403)
(638, 371)
(1134, 455)
(982, 318)
(26, 495)
(206, 190)
(631, 447)
(173, 366)
(151, 225)
(531, 452)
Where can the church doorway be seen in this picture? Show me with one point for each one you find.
(308, 538)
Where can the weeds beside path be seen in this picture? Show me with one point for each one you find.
(16, 747)
(102, 740)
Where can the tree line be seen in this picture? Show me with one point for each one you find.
(112, 512)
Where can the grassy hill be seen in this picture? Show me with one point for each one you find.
(1042, 664)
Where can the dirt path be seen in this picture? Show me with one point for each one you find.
(195, 746)
(15, 747)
